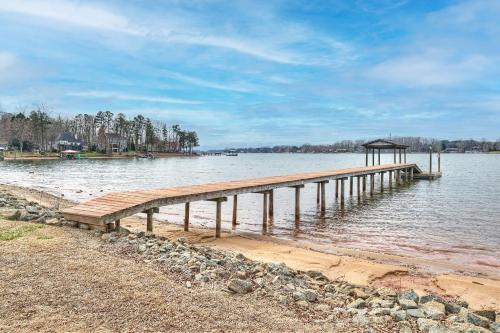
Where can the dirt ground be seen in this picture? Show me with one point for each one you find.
(59, 280)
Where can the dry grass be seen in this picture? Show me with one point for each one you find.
(59, 280)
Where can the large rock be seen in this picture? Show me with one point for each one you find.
(416, 313)
(407, 304)
(308, 295)
(478, 320)
(490, 314)
(32, 210)
(431, 297)
(495, 327)
(239, 286)
(434, 310)
(430, 326)
(357, 304)
(408, 295)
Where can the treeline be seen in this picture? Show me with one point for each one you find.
(27, 130)
(416, 144)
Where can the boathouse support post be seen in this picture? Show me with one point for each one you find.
(394, 155)
(373, 156)
(399, 155)
(379, 156)
(186, 216)
(390, 179)
(366, 151)
(405, 155)
(149, 225)
(235, 210)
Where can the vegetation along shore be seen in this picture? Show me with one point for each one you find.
(184, 281)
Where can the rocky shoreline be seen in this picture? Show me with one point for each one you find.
(312, 296)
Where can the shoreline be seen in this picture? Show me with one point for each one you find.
(100, 157)
(479, 287)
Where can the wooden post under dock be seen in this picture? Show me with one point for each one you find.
(342, 194)
(398, 177)
(323, 196)
(297, 201)
(271, 204)
(351, 185)
(390, 179)
(382, 181)
(318, 192)
(407, 175)
(235, 210)
(218, 218)
(186, 216)
(364, 183)
(372, 183)
(358, 183)
(264, 208)
(117, 224)
(411, 174)
(149, 225)
(336, 188)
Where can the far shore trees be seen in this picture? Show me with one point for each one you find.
(34, 128)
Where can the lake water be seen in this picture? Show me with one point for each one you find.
(455, 218)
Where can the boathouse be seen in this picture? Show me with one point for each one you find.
(381, 144)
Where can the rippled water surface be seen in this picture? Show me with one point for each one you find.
(455, 218)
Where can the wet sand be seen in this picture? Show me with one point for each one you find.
(480, 287)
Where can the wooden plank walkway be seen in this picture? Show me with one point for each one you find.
(112, 207)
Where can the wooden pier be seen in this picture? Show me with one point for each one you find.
(105, 212)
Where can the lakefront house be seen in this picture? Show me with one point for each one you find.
(68, 141)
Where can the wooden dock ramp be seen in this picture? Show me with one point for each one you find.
(105, 212)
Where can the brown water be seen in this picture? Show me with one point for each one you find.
(455, 218)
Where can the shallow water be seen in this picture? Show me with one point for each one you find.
(455, 218)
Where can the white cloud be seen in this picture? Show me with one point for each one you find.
(128, 97)
(430, 70)
(71, 12)
(238, 87)
(7, 60)
(186, 30)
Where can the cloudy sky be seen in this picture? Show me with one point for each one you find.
(250, 73)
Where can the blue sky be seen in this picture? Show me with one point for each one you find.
(251, 73)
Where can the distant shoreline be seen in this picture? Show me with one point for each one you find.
(98, 157)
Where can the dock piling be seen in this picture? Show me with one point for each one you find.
(271, 204)
(342, 194)
(149, 225)
(351, 185)
(186, 216)
(382, 181)
(117, 224)
(264, 208)
(358, 183)
(323, 196)
(218, 218)
(390, 179)
(235, 210)
(372, 184)
(336, 188)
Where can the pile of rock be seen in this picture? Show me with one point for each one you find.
(19, 209)
(310, 293)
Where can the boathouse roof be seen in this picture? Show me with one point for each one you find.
(384, 144)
